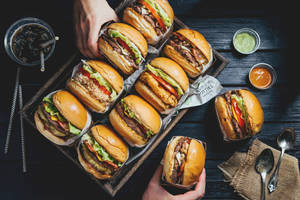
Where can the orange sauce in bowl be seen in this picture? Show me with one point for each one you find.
(260, 77)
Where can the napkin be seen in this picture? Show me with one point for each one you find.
(239, 170)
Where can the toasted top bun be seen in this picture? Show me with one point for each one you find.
(133, 35)
(198, 40)
(224, 117)
(164, 4)
(144, 112)
(109, 73)
(254, 110)
(70, 108)
(173, 70)
(194, 163)
(110, 142)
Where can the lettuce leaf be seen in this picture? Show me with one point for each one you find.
(164, 16)
(163, 75)
(74, 130)
(51, 109)
(101, 80)
(116, 34)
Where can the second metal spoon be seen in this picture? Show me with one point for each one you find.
(285, 141)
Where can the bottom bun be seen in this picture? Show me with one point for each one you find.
(149, 95)
(40, 126)
(89, 169)
(183, 62)
(224, 118)
(85, 97)
(115, 57)
(123, 129)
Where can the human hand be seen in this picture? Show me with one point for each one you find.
(89, 16)
(156, 191)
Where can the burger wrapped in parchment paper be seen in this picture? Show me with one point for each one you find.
(183, 162)
(153, 18)
(61, 118)
(101, 152)
(190, 50)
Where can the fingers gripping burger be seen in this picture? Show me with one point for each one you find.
(162, 84)
(96, 84)
(101, 152)
(60, 117)
(135, 120)
(184, 160)
(240, 114)
(190, 50)
(124, 46)
(151, 17)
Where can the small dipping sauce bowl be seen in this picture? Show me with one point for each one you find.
(262, 76)
(246, 41)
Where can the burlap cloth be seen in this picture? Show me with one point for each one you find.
(239, 170)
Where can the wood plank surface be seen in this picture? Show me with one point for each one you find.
(51, 176)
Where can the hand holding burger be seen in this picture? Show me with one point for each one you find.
(184, 160)
(156, 191)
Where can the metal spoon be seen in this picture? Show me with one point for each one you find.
(264, 164)
(285, 141)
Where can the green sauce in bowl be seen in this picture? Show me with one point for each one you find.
(244, 42)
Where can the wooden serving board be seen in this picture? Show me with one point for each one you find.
(57, 81)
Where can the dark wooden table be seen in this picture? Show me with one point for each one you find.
(51, 176)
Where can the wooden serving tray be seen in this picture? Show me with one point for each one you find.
(58, 80)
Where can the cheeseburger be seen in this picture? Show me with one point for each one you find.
(135, 120)
(152, 18)
(60, 117)
(101, 152)
(184, 160)
(190, 50)
(96, 84)
(239, 113)
(124, 46)
(162, 83)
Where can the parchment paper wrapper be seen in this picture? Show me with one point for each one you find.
(108, 106)
(71, 140)
(81, 141)
(180, 186)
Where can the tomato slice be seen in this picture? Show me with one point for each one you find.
(165, 85)
(124, 45)
(111, 164)
(101, 87)
(238, 114)
(154, 13)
